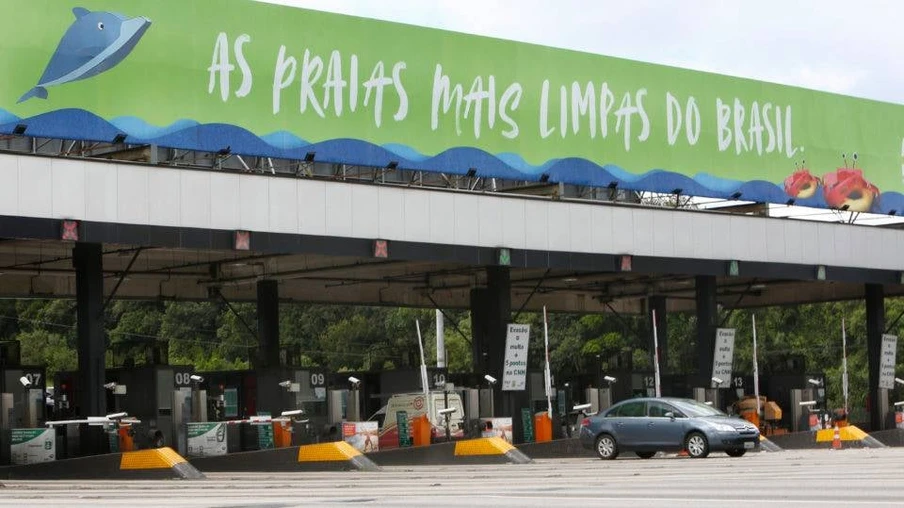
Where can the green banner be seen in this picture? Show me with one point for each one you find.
(260, 79)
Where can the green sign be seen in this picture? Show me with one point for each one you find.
(262, 79)
(527, 424)
(207, 439)
(264, 433)
(30, 446)
(231, 402)
(404, 429)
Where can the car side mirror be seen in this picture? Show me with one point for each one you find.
(670, 414)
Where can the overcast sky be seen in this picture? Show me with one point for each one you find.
(853, 48)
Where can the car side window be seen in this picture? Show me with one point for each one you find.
(658, 409)
(631, 409)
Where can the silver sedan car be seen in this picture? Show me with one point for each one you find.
(649, 425)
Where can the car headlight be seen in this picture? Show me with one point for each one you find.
(723, 427)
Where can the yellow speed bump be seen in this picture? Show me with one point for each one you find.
(157, 458)
(327, 452)
(849, 433)
(482, 446)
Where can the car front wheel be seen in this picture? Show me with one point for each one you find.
(739, 452)
(696, 445)
(606, 447)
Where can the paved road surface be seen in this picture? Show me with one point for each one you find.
(849, 478)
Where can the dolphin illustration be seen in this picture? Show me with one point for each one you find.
(95, 43)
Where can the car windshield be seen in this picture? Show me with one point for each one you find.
(694, 408)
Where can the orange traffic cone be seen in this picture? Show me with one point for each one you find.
(836, 439)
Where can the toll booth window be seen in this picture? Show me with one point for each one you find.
(631, 409)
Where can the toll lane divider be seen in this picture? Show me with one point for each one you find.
(890, 437)
(851, 437)
(335, 456)
(767, 445)
(152, 464)
(488, 450)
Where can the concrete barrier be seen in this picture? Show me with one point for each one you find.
(153, 464)
(489, 450)
(851, 437)
(336, 456)
(767, 445)
(891, 437)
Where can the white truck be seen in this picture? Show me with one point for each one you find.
(414, 405)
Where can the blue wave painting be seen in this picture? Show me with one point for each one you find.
(191, 135)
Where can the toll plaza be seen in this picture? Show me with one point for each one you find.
(108, 195)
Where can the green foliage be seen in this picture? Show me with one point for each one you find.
(214, 336)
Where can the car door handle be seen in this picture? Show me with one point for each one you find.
(650, 424)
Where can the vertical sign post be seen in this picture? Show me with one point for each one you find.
(756, 371)
(547, 378)
(656, 356)
(844, 371)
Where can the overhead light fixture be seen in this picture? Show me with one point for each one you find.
(570, 280)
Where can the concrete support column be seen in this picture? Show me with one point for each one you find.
(491, 312)
(89, 301)
(87, 259)
(707, 322)
(268, 324)
(875, 327)
(657, 303)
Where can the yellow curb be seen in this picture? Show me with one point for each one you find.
(327, 452)
(849, 433)
(157, 458)
(483, 446)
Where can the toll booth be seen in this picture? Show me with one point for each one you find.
(240, 395)
(161, 396)
(23, 403)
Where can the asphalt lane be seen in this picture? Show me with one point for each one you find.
(806, 478)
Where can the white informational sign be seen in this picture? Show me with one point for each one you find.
(496, 427)
(30, 446)
(206, 439)
(723, 358)
(363, 436)
(514, 373)
(887, 361)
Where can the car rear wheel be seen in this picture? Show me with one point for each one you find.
(738, 452)
(645, 455)
(696, 445)
(606, 447)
